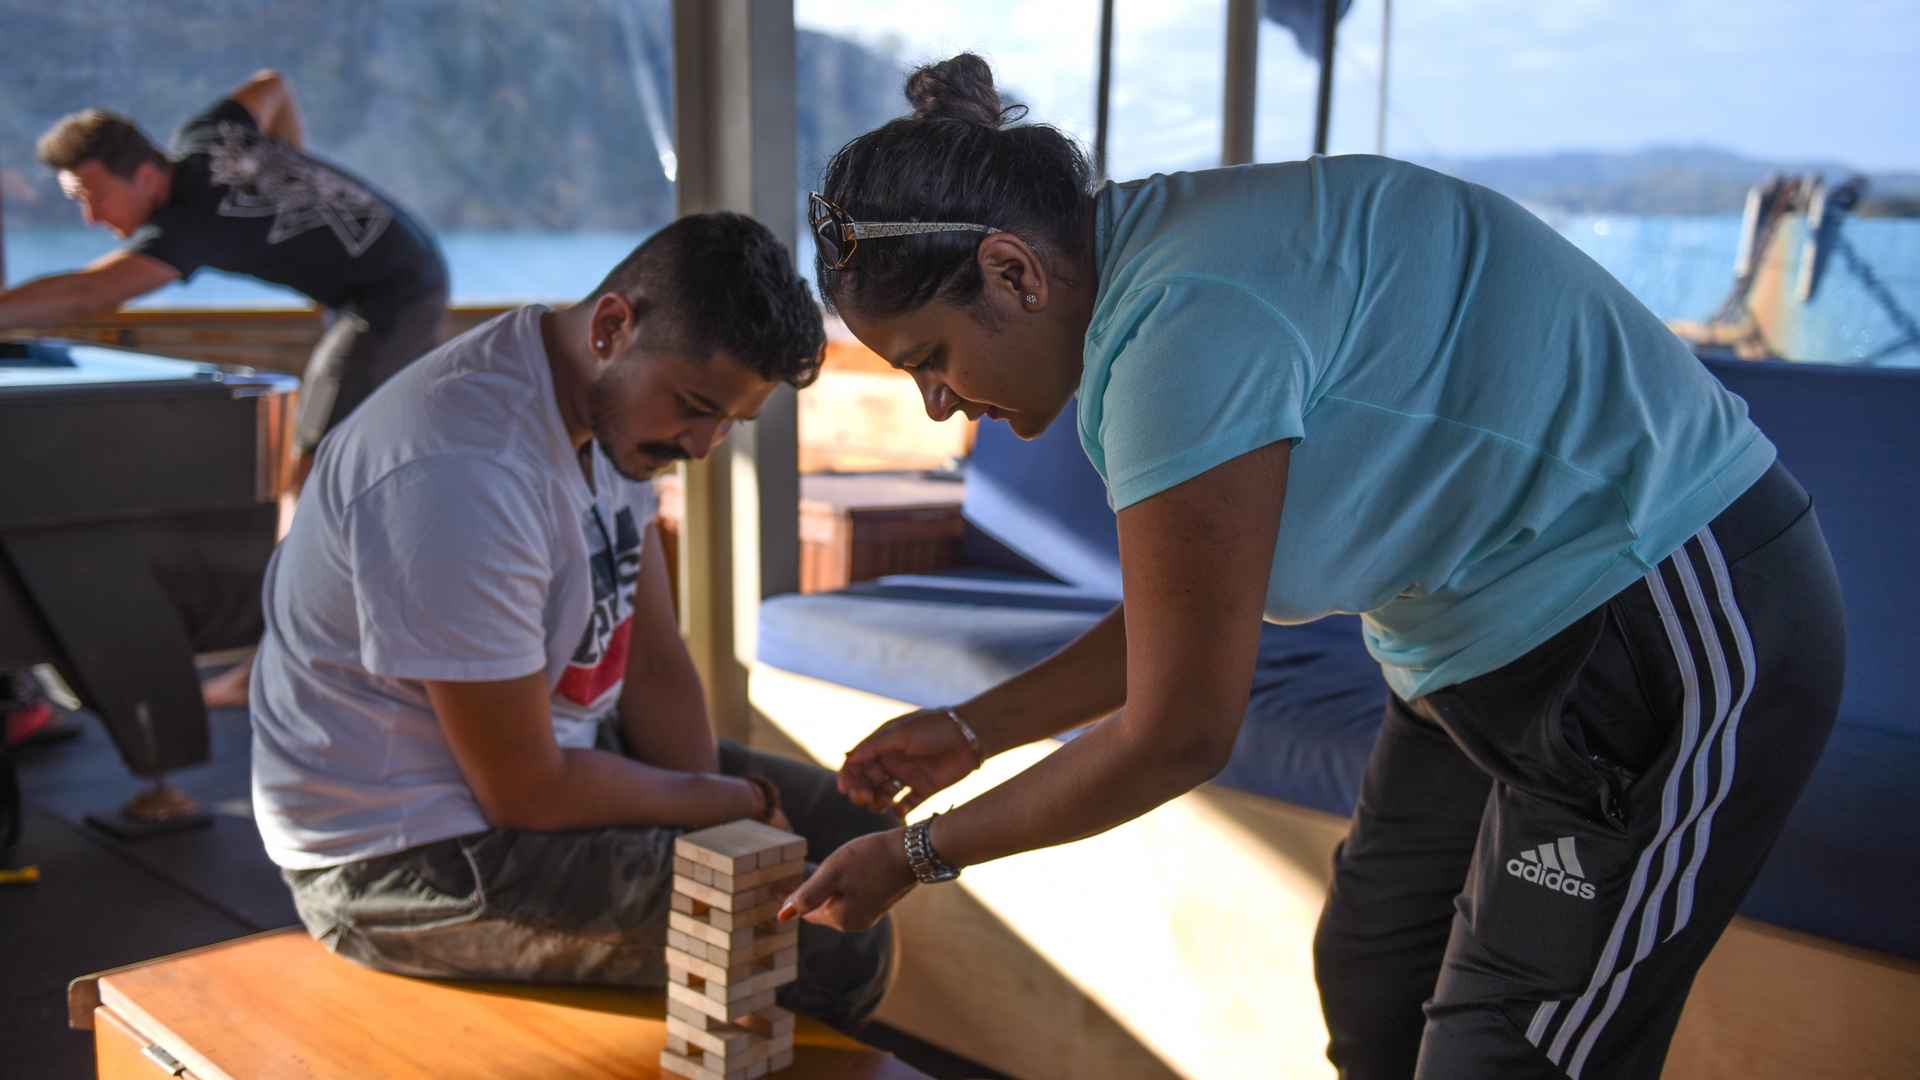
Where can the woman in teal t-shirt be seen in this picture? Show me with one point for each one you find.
(1354, 385)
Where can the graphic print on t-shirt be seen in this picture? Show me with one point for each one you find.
(266, 178)
(600, 661)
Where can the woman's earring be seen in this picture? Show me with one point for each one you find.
(1032, 299)
(600, 343)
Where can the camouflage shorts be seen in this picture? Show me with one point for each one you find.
(580, 907)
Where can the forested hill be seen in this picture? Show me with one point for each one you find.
(1661, 180)
(475, 113)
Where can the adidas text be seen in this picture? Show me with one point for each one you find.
(1557, 880)
(1555, 865)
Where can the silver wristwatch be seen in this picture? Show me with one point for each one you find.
(928, 868)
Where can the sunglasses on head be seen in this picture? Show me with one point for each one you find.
(839, 235)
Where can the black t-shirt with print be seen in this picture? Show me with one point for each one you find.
(250, 204)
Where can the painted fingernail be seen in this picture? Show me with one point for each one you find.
(786, 910)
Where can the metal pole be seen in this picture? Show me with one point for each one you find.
(1103, 92)
(1386, 38)
(1243, 67)
(1329, 20)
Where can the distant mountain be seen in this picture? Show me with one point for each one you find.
(1657, 180)
(476, 114)
(496, 114)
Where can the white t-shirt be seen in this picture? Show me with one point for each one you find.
(448, 533)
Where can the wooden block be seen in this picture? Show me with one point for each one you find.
(774, 1024)
(765, 944)
(687, 1014)
(775, 979)
(688, 998)
(721, 898)
(698, 965)
(687, 1066)
(681, 1010)
(780, 1059)
(733, 1046)
(685, 867)
(730, 948)
(676, 1044)
(686, 905)
(734, 920)
(794, 850)
(775, 970)
(726, 992)
(765, 875)
(729, 1011)
(742, 938)
(696, 1064)
(736, 847)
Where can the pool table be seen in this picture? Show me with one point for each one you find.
(138, 507)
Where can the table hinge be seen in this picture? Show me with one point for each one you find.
(163, 1059)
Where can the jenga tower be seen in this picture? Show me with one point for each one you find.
(726, 955)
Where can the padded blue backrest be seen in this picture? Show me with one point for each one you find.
(1852, 437)
(1043, 501)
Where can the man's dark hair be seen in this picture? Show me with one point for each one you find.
(97, 135)
(959, 158)
(723, 282)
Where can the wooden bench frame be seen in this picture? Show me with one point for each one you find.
(1181, 944)
(279, 1004)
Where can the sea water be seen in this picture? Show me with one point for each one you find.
(1680, 267)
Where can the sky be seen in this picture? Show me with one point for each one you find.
(1781, 80)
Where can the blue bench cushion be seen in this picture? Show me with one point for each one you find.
(927, 639)
(1316, 706)
(1847, 866)
(931, 639)
(1852, 437)
(1043, 502)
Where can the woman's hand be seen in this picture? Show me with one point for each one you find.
(856, 885)
(905, 760)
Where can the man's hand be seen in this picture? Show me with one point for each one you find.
(906, 760)
(855, 886)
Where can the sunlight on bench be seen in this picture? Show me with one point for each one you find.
(1181, 944)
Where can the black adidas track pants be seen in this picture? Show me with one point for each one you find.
(1542, 857)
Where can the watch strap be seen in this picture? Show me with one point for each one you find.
(927, 865)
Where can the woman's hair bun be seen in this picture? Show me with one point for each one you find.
(958, 88)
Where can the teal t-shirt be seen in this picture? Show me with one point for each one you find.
(1492, 436)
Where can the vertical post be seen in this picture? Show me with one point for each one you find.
(1386, 39)
(1103, 92)
(1323, 117)
(1243, 68)
(734, 122)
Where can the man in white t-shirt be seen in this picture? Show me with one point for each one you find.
(476, 729)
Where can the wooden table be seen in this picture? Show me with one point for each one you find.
(858, 526)
(279, 1005)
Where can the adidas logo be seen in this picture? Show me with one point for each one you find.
(1554, 866)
